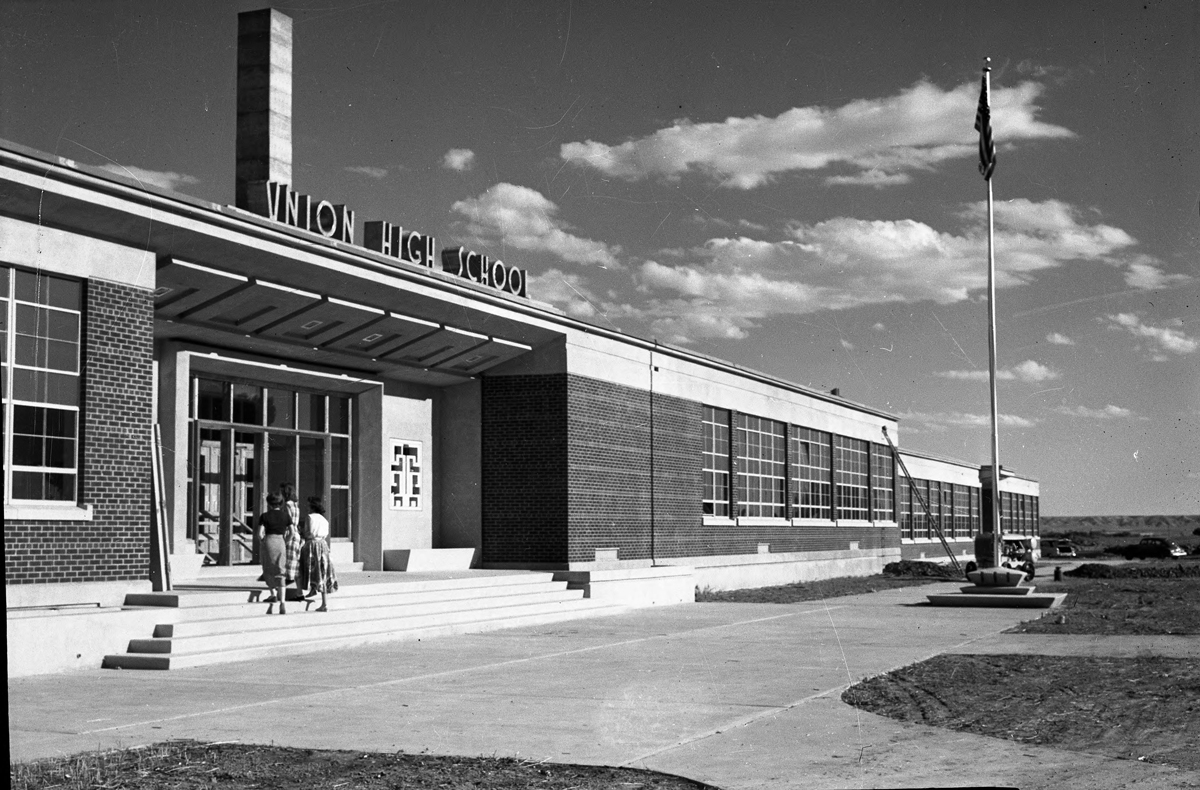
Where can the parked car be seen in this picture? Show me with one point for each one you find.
(1018, 552)
(1152, 548)
(1059, 548)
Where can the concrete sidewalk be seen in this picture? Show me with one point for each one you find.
(737, 695)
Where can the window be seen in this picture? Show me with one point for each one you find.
(1037, 524)
(948, 509)
(962, 511)
(920, 518)
(41, 323)
(851, 466)
(906, 509)
(974, 511)
(812, 470)
(716, 462)
(882, 491)
(1006, 511)
(935, 508)
(762, 467)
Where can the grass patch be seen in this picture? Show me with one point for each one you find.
(899, 574)
(1145, 708)
(188, 765)
(1141, 709)
(1131, 605)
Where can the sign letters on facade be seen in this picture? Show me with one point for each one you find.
(278, 202)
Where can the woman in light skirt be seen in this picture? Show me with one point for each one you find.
(316, 570)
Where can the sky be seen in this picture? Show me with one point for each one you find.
(792, 187)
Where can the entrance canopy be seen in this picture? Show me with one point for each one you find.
(231, 279)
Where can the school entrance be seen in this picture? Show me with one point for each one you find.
(246, 440)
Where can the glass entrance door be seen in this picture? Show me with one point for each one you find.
(248, 440)
(227, 498)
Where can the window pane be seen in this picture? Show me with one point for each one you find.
(312, 468)
(27, 450)
(44, 289)
(339, 513)
(281, 408)
(35, 385)
(339, 461)
(49, 487)
(311, 412)
(247, 404)
(212, 400)
(42, 322)
(339, 414)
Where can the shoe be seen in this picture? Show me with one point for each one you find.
(282, 609)
(270, 610)
(323, 609)
(272, 599)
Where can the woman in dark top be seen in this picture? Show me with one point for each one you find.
(272, 527)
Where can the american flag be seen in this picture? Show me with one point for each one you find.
(983, 125)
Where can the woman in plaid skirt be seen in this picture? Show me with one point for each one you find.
(292, 538)
(317, 576)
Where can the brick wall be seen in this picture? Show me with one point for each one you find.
(116, 451)
(610, 465)
(524, 469)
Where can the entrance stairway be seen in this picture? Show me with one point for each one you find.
(225, 620)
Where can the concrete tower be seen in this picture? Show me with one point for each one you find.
(264, 105)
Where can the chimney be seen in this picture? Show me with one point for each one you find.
(264, 105)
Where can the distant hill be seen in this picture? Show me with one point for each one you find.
(1162, 526)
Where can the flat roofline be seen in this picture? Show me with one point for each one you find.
(129, 188)
(957, 462)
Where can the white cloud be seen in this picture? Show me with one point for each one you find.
(1149, 276)
(567, 291)
(1168, 339)
(1027, 371)
(842, 263)
(943, 420)
(1109, 412)
(1057, 339)
(163, 179)
(460, 159)
(368, 171)
(880, 140)
(524, 219)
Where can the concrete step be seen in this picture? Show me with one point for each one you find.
(215, 623)
(202, 606)
(278, 629)
(250, 617)
(233, 591)
(162, 661)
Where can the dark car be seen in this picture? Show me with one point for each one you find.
(1153, 548)
(1059, 548)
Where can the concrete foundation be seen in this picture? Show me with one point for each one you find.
(743, 571)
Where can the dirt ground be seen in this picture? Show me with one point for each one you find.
(185, 765)
(1141, 709)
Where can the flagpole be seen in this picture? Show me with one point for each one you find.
(995, 438)
(992, 363)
